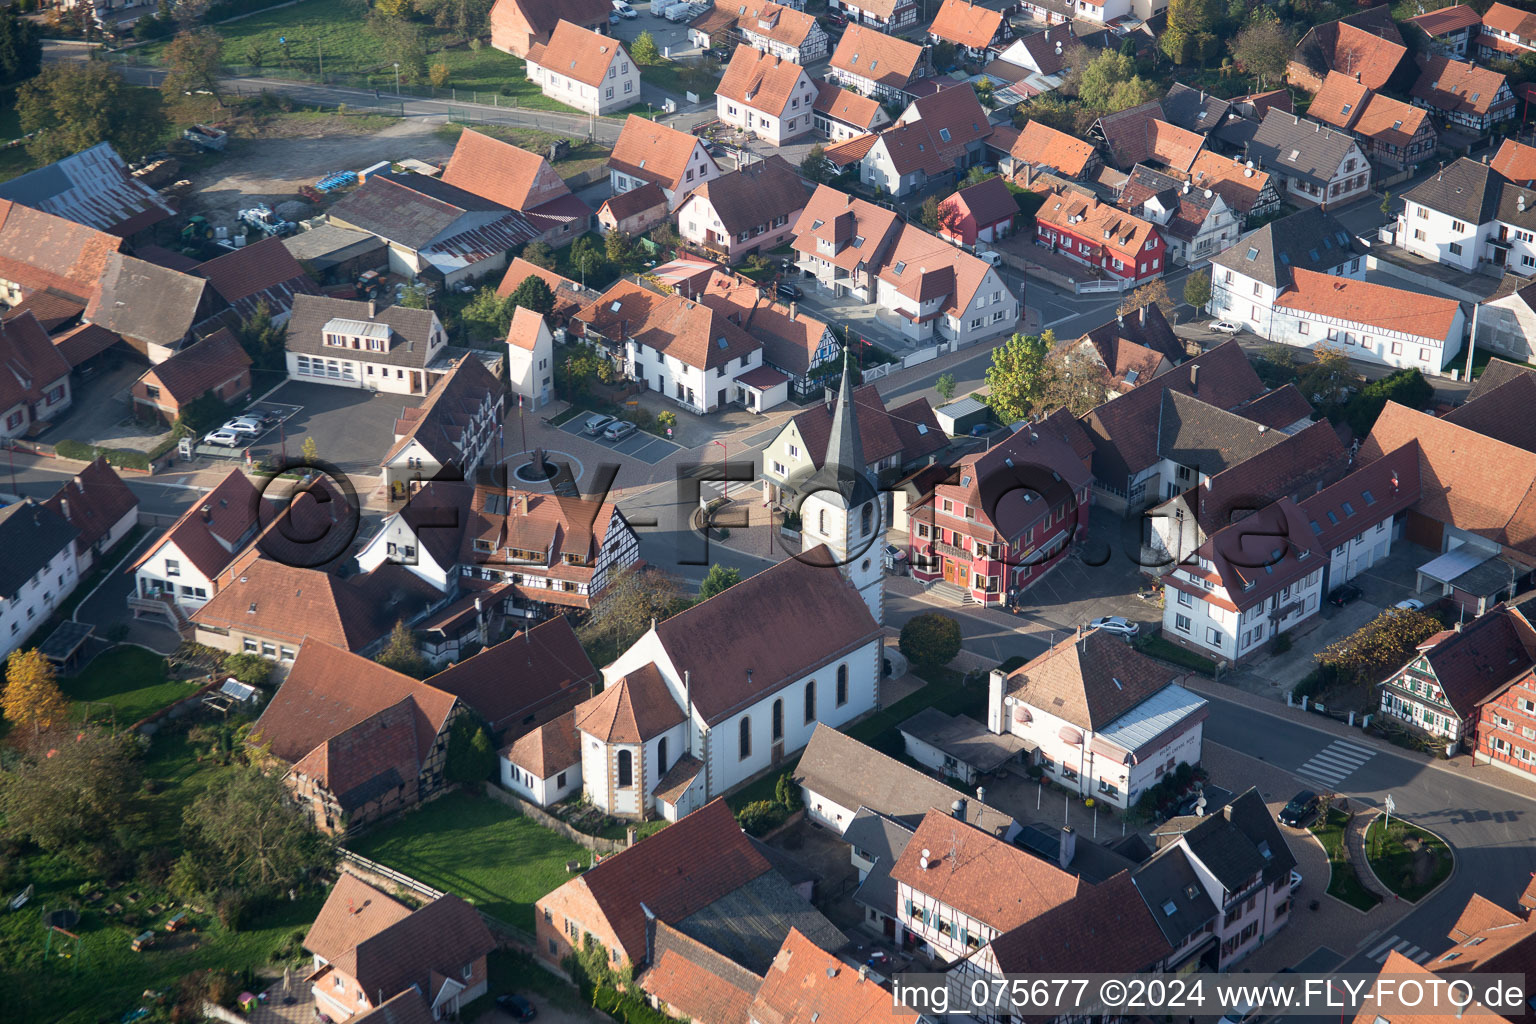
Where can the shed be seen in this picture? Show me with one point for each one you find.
(960, 416)
(957, 745)
(1472, 578)
(336, 255)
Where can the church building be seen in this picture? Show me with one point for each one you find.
(732, 687)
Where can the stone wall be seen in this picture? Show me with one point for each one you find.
(549, 821)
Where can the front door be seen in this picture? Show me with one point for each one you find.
(415, 382)
(962, 575)
(949, 569)
(720, 398)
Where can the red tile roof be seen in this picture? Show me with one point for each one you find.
(870, 53)
(989, 202)
(97, 500)
(966, 24)
(1455, 85)
(265, 272)
(1448, 19)
(1106, 929)
(1511, 19)
(354, 911)
(637, 200)
(1372, 305)
(29, 363)
(506, 683)
(1089, 680)
(1370, 55)
(1516, 161)
(40, 251)
(634, 709)
(807, 984)
(577, 53)
(190, 373)
(653, 152)
(1077, 214)
(209, 533)
(1043, 146)
(548, 750)
(847, 107)
(695, 981)
(1481, 658)
(762, 81)
(505, 174)
(285, 602)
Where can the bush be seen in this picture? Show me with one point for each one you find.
(931, 640)
(68, 449)
(761, 817)
(792, 521)
(1405, 387)
(1280, 644)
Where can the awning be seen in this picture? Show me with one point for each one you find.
(1447, 567)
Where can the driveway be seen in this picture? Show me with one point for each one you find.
(352, 428)
(100, 412)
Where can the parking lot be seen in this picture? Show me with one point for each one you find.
(647, 448)
(280, 413)
(352, 428)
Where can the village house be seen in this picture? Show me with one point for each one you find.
(750, 210)
(1042, 149)
(585, 70)
(841, 115)
(1311, 163)
(1375, 323)
(1131, 349)
(1395, 133)
(795, 344)
(1466, 95)
(360, 344)
(1141, 134)
(94, 188)
(1036, 62)
(530, 359)
(451, 431)
(702, 876)
(433, 227)
(100, 506)
(41, 568)
(1194, 223)
(782, 30)
(256, 276)
(650, 153)
(1358, 518)
(1250, 193)
(983, 212)
(155, 330)
(513, 177)
(1506, 320)
(1470, 216)
(975, 31)
(40, 252)
(1104, 720)
(1249, 277)
(1128, 249)
(570, 296)
(1442, 690)
(1507, 32)
(378, 747)
(1005, 517)
(521, 683)
(634, 212)
(179, 572)
(874, 64)
(35, 387)
(958, 888)
(766, 95)
(517, 25)
(942, 133)
(374, 953)
(805, 982)
(217, 365)
(1367, 42)
(1516, 161)
(883, 15)
(1506, 720)
(1449, 31)
(843, 241)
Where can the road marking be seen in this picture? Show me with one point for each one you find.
(1335, 762)
(1398, 945)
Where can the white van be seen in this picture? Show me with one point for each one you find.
(990, 256)
(623, 9)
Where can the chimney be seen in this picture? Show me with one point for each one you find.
(64, 507)
(997, 683)
(80, 483)
(1068, 847)
(793, 306)
(958, 808)
(373, 308)
(631, 836)
(1194, 379)
(207, 513)
(1142, 316)
(1226, 812)
(981, 794)
(863, 972)
(1120, 319)
(1357, 78)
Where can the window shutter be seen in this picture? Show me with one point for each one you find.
(963, 936)
(909, 909)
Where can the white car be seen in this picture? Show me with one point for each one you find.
(623, 9)
(223, 438)
(1411, 604)
(248, 425)
(1225, 327)
(1116, 624)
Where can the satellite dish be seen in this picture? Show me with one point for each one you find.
(926, 854)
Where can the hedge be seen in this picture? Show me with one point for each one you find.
(90, 453)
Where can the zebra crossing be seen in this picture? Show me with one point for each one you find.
(1335, 762)
(1394, 944)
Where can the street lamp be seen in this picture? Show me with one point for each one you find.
(725, 469)
(397, 78)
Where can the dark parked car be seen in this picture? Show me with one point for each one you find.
(789, 291)
(1341, 596)
(517, 1006)
(1301, 810)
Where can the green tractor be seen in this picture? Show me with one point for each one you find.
(195, 236)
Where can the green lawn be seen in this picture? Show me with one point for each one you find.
(106, 978)
(582, 156)
(131, 680)
(479, 849)
(677, 79)
(1158, 647)
(1343, 883)
(1407, 859)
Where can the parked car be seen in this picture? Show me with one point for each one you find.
(1301, 809)
(250, 425)
(618, 430)
(786, 290)
(991, 256)
(623, 9)
(613, 17)
(1225, 327)
(516, 1005)
(223, 438)
(1341, 596)
(1242, 1013)
(981, 430)
(894, 559)
(1116, 624)
(595, 425)
(1411, 604)
(836, 17)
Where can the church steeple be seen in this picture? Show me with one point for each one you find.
(843, 468)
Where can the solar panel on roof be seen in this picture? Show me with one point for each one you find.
(1313, 253)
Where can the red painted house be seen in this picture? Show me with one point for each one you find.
(1098, 235)
(982, 213)
(1007, 516)
(1505, 727)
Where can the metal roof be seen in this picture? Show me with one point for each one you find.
(1152, 717)
(1451, 565)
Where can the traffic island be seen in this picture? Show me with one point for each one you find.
(1410, 861)
(1344, 882)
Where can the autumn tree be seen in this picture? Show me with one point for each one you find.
(1263, 49)
(73, 106)
(1018, 376)
(644, 50)
(415, 297)
(1379, 647)
(32, 695)
(1190, 34)
(1109, 83)
(1074, 383)
(399, 42)
(1197, 289)
(310, 450)
(1325, 378)
(403, 654)
(532, 293)
(1154, 291)
(628, 604)
(246, 833)
(719, 579)
(194, 60)
(250, 669)
(72, 795)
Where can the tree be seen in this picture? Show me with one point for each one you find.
(1133, 93)
(21, 49)
(814, 167)
(976, 175)
(1386, 203)
(643, 49)
(930, 640)
(32, 695)
(540, 255)
(1153, 292)
(576, 372)
(263, 341)
(415, 297)
(1379, 647)
(194, 60)
(984, 92)
(1109, 83)
(471, 751)
(945, 386)
(73, 106)
(1074, 383)
(393, 8)
(1191, 31)
(488, 315)
(250, 669)
(928, 213)
(1405, 387)
(1324, 379)
(1051, 110)
(587, 258)
(616, 247)
(1197, 289)
(250, 835)
(1017, 377)
(400, 42)
(533, 294)
(627, 605)
(943, 54)
(202, 414)
(74, 795)
(310, 450)
(720, 578)
(1263, 49)
(437, 74)
(403, 654)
